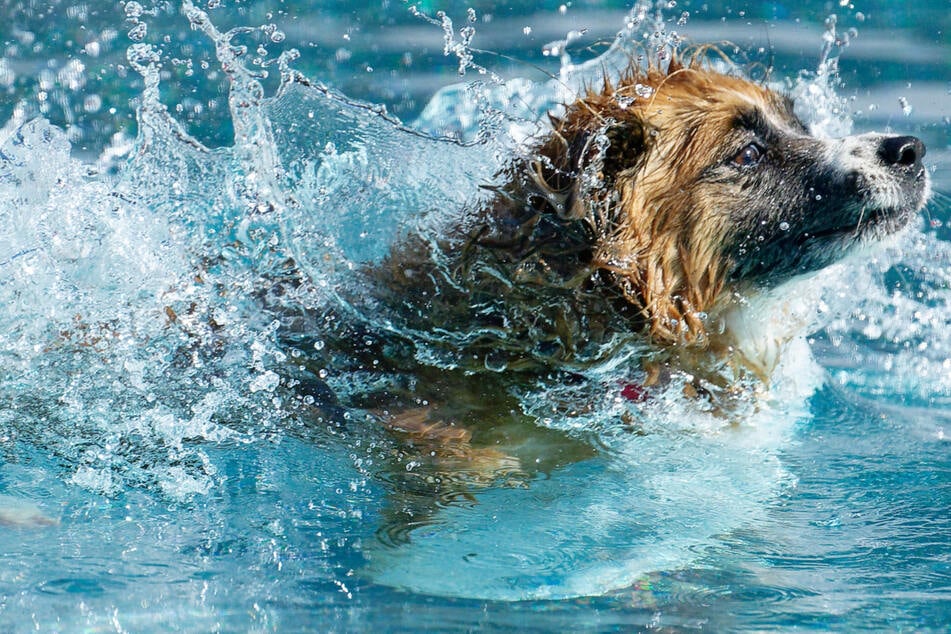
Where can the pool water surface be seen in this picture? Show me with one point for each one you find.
(178, 454)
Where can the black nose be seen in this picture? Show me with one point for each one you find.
(901, 151)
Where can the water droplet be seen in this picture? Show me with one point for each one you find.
(784, 226)
(527, 30)
(643, 91)
(905, 106)
(267, 382)
(133, 9)
(138, 32)
(624, 101)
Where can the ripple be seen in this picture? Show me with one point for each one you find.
(84, 585)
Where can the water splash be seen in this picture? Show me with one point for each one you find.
(137, 342)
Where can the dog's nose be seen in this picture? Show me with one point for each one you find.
(901, 151)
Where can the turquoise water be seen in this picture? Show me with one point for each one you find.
(170, 458)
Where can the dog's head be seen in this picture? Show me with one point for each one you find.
(701, 184)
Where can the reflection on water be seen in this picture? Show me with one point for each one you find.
(201, 452)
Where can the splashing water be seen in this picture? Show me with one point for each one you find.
(144, 338)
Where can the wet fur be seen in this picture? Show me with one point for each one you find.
(631, 226)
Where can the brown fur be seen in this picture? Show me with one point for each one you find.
(664, 252)
(626, 248)
(636, 220)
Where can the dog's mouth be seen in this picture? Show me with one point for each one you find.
(799, 250)
(880, 213)
(871, 222)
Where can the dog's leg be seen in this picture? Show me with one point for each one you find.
(448, 446)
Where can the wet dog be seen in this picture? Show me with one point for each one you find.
(655, 211)
(659, 224)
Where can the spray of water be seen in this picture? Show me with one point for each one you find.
(146, 310)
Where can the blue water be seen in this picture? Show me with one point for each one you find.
(170, 462)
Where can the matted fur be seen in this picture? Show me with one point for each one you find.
(664, 241)
(636, 217)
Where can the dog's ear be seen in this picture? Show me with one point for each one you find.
(598, 158)
(625, 145)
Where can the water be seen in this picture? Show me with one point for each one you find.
(172, 457)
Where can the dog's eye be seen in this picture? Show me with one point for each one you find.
(749, 156)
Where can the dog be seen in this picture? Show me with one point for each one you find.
(663, 221)
(657, 210)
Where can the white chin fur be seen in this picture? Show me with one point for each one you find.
(762, 327)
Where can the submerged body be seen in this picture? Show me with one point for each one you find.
(665, 226)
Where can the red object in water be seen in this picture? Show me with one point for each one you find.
(634, 392)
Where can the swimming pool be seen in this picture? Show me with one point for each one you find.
(162, 469)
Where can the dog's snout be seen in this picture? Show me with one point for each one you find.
(901, 151)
